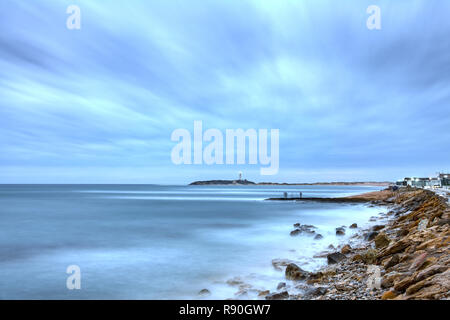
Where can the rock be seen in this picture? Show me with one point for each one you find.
(430, 271)
(346, 249)
(294, 272)
(277, 296)
(314, 292)
(353, 226)
(340, 231)
(297, 225)
(418, 262)
(335, 257)
(381, 241)
(331, 247)
(422, 224)
(370, 236)
(278, 263)
(404, 283)
(306, 228)
(357, 257)
(204, 292)
(377, 227)
(281, 285)
(318, 236)
(263, 293)
(394, 248)
(388, 295)
(370, 256)
(392, 261)
(236, 281)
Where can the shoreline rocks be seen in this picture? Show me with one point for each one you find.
(406, 257)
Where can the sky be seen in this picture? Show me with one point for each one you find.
(99, 104)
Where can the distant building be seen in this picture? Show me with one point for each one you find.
(442, 180)
(445, 179)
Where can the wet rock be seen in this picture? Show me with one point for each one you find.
(279, 263)
(346, 249)
(303, 229)
(318, 237)
(340, 231)
(281, 285)
(277, 296)
(381, 240)
(335, 257)
(294, 272)
(204, 292)
(263, 293)
(331, 247)
(377, 227)
(353, 226)
(370, 236)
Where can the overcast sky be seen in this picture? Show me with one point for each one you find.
(99, 104)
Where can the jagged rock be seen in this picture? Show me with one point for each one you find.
(294, 272)
(353, 226)
(335, 257)
(392, 261)
(381, 241)
(370, 236)
(370, 256)
(278, 263)
(430, 271)
(277, 296)
(377, 227)
(346, 249)
(318, 236)
(418, 262)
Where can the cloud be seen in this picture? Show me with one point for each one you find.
(346, 99)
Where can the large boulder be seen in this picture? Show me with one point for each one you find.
(340, 231)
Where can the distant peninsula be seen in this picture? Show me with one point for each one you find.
(247, 182)
(226, 182)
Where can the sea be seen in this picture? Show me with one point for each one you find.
(163, 242)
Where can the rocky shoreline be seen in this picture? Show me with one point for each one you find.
(406, 257)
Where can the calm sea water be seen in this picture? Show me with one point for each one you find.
(159, 242)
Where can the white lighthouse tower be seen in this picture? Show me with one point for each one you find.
(240, 175)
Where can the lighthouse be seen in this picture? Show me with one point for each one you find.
(240, 175)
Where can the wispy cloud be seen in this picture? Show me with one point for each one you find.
(100, 103)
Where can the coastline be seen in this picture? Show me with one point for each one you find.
(404, 256)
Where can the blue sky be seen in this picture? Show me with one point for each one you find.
(99, 104)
